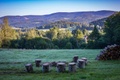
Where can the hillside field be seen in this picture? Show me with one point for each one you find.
(12, 65)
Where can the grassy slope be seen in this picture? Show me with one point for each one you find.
(12, 65)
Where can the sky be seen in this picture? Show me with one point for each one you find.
(43, 7)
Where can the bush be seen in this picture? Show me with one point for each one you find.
(68, 45)
(111, 52)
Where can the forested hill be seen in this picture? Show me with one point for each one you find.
(99, 22)
(39, 20)
(66, 24)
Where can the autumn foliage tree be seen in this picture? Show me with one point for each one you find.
(32, 33)
(79, 34)
(7, 33)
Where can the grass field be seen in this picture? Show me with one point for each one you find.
(12, 63)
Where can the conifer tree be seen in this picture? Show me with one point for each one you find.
(112, 29)
(95, 35)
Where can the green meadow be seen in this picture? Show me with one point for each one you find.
(12, 65)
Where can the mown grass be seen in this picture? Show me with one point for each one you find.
(12, 63)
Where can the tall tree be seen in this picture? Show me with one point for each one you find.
(1, 36)
(112, 29)
(95, 35)
(52, 33)
(7, 33)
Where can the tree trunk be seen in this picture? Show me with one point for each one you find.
(85, 59)
(72, 67)
(29, 67)
(61, 67)
(45, 67)
(81, 63)
(75, 58)
(37, 61)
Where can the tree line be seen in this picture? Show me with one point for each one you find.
(56, 38)
(66, 24)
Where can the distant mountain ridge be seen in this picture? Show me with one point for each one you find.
(39, 20)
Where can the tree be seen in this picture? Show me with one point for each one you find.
(7, 33)
(74, 42)
(52, 33)
(85, 32)
(79, 34)
(95, 35)
(61, 42)
(64, 34)
(68, 34)
(32, 33)
(61, 34)
(1, 36)
(112, 29)
(68, 45)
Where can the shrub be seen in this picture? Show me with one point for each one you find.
(111, 52)
(68, 45)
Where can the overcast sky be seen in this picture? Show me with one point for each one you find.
(42, 7)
